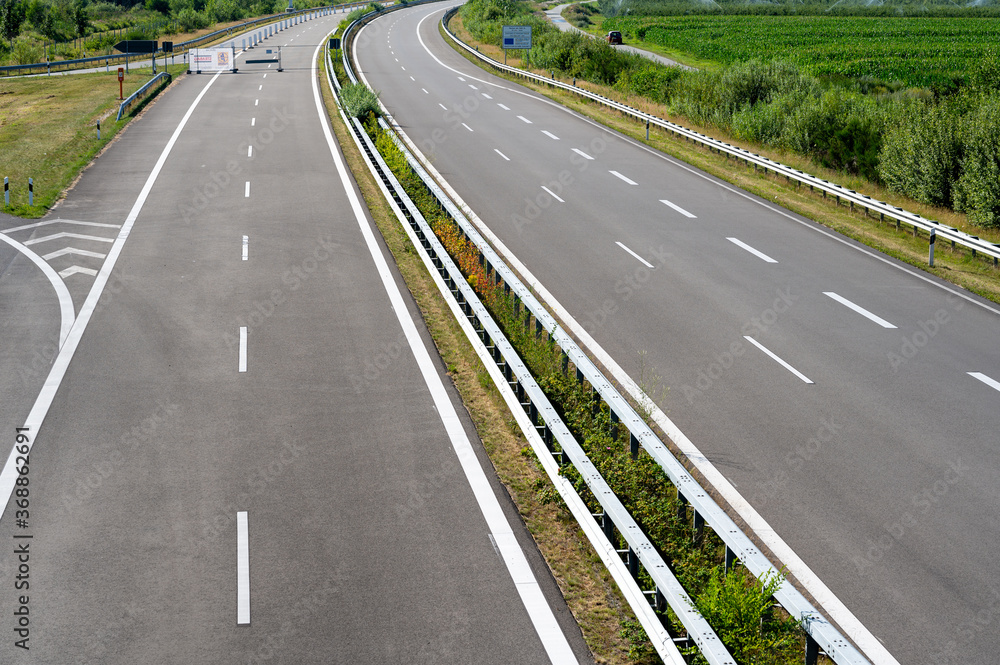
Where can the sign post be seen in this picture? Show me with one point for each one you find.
(516, 37)
(121, 77)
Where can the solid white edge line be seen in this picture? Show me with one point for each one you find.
(542, 618)
(554, 195)
(619, 175)
(501, 154)
(834, 608)
(66, 313)
(759, 254)
(777, 359)
(992, 383)
(859, 309)
(43, 402)
(583, 154)
(246, 247)
(644, 261)
(243, 349)
(677, 208)
(242, 570)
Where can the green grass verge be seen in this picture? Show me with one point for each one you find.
(48, 130)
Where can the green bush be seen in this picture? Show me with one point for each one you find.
(977, 191)
(359, 100)
(190, 20)
(739, 606)
(921, 153)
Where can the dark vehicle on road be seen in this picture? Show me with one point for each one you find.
(614, 37)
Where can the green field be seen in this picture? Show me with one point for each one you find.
(917, 52)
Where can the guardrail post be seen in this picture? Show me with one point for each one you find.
(699, 526)
(98, 130)
(730, 559)
(31, 191)
(930, 258)
(647, 129)
(682, 507)
(812, 650)
(6, 191)
(633, 444)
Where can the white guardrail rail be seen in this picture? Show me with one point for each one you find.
(852, 198)
(554, 444)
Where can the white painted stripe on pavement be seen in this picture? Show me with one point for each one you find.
(501, 154)
(66, 313)
(253, 122)
(505, 108)
(73, 250)
(486, 96)
(243, 348)
(74, 270)
(677, 208)
(583, 154)
(64, 234)
(473, 87)
(256, 102)
(466, 126)
(541, 615)
(992, 383)
(54, 379)
(260, 87)
(242, 570)
(553, 194)
(246, 191)
(246, 247)
(859, 309)
(62, 221)
(550, 134)
(249, 151)
(777, 359)
(522, 118)
(425, 91)
(413, 79)
(835, 608)
(642, 260)
(619, 175)
(757, 253)
(442, 106)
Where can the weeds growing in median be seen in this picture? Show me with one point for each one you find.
(739, 606)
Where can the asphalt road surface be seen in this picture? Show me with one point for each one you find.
(851, 400)
(242, 450)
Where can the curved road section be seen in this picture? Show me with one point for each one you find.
(849, 401)
(244, 452)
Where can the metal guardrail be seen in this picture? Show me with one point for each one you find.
(134, 97)
(852, 198)
(821, 634)
(552, 441)
(181, 47)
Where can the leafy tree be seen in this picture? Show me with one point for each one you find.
(12, 14)
(81, 18)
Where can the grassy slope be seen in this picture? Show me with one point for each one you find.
(48, 130)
